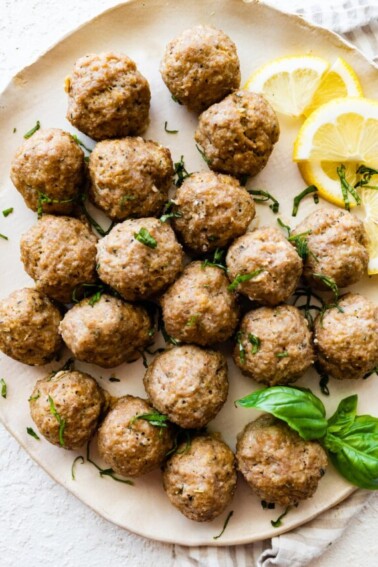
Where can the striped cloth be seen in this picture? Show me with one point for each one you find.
(357, 20)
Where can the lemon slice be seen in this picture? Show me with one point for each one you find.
(345, 129)
(370, 203)
(325, 177)
(339, 81)
(289, 83)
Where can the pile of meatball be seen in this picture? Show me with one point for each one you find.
(141, 262)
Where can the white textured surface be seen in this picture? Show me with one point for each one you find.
(40, 522)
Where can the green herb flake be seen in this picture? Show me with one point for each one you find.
(32, 130)
(230, 514)
(181, 172)
(168, 213)
(14, 130)
(176, 100)
(297, 200)
(367, 173)
(240, 278)
(101, 231)
(255, 342)
(260, 196)
(44, 199)
(106, 472)
(80, 143)
(347, 189)
(3, 236)
(203, 155)
(34, 398)
(114, 379)
(278, 523)
(32, 433)
(144, 237)
(125, 199)
(7, 212)
(61, 422)
(217, 261)
(3, 390)
(156, 419)
(167, 129)
(193, 319)
(74, 464)
(329, 282)
(283, 354)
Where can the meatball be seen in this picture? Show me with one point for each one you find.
(264, 249)
(48, 171)
(29, 324)
(59, 253)
(139, 258)
(130, 177)
(214, 209)
(132, 446)
(274, 345)
(198, 308)
(200, 480)
(337, 243)
(66, 408)
(346, 338)
(188, 384)
(238, 134)
(107, 332)
(200, 67)
(108, 97)
(277, 463)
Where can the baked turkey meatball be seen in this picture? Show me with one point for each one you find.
(200, 480)
(198, 308)
(48, 171)
(130, 177)
(214, 209)
(346, 338)
(188, 384)
(59, 253)
(337, 242)
(200, 67)
(277, 463)
(66, 407)
(139, 258)
(129, 444)
(264, 249)
(238, 134)
(107, 96)
(274, 345)
(107, 332)
(29, 324)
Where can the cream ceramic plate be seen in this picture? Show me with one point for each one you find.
(141, 30)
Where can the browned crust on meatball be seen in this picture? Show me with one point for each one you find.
(130, 177)
(50, 164)
(285, 349)
(59, 253)
(108, 97)
(346, 338)
(201, 67)
(238, 134)
(135, 270)
(215, 209)
(78, 400)
(188, 384)
(268, 250)
(198, 308)
(200, 480)
(133, 447)
(107, 332)
(277, 463)
(29, 324)
(337, 244)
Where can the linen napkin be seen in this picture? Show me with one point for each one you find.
(357, 20)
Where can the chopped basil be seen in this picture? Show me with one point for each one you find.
(347, 188)
(101, 231)
(240, 278)
(168, 213)
(167, 130)
(230, 514)
(255, 342)
(181, 172)
(114, 379)
(192, 321)
(277, 523)
(32, 433)
(144, 237)
(283, 354)
(297, 200)
(106, 472)
(176, 100)
(73, 466)
(7, 212)
(301, 244)
(33, 130)
(80, 143)
(366, 173)
(60, 420)
(306, 293)
(218, 260)
(126, 198)
(33, 398)
(203, 155)
(329, 282)
(3, 236)
(3, 388)
(260, 196)
(156, 419)
(45, 199)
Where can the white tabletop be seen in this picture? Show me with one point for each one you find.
(40, 522)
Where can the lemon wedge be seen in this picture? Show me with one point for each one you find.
(289, 83)
(370, 203)
(345, 129)
(339, 81)
(325, 177)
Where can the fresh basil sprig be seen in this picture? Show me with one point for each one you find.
(351, 440)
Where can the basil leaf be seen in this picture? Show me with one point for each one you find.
(344, 416)
(354, 453)
(300, 409)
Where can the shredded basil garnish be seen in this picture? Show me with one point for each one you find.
(33, 130)
(74, 464)
(32, 433)
(181, 172)
(144, 237)
(60, 420)
(260, 196)
(346, 188)
(176, 100)
(7, 212)
(297, 200)
(156, 419)
(240, 278)
(255, 342)
(203, 155)
(114, 379)
(217, 261)
(277, 523)
(230, 514)
(283, 354)
(3, 388)
(168, 213)
(106, 472)
(33, 398)
(167, 130)
(80, 143)
(3, 236)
